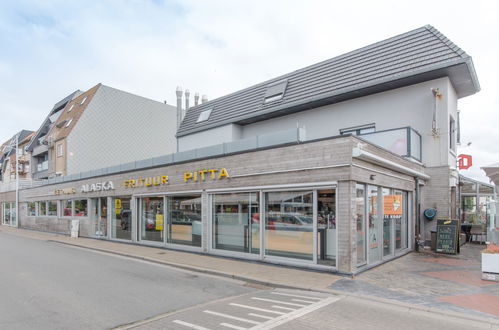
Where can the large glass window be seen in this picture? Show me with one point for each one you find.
(6, 213)
(52, 208)
(184, 220)
(121, 218)
(400, 219)
(236, 222)
(68, 208)
(42, 208)
(326, 227)
(31, 209)
(375, 233)
(81, 207)
(360, 211)
(151, 219)
(289, 224)
(391, 205)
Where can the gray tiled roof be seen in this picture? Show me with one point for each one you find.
(409, 58)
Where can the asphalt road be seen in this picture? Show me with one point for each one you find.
(47, 285)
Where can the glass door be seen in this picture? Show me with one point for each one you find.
(121, 218)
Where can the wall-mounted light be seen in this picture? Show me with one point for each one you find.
(372, 176)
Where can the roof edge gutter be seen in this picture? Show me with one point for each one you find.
(365, 155)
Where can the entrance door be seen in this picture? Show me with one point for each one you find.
(375, 232)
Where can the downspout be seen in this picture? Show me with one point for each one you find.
(417, 236)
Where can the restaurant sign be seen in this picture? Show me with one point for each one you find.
(99, 186)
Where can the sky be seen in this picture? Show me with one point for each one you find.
(49, 48)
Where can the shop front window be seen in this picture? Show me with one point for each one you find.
(81, 207)
(42, 208)
(184, 220)
(375, 233)
(151, 219)
(236, 222)
(360, 211)
(289, 224)
(68, 208)
(52, 208)
(31, 209)
(399, 216)
(6, 213)
(326, 227)
(121, 218)
(391, 207)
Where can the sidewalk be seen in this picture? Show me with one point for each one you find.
(449, 285)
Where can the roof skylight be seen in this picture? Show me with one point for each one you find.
(275, 91)
(83, 101)
(204, 115)
(69, 122)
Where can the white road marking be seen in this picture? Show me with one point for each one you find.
(190, 325)
(305, 301)
(278, 302)
(232, 326)
(261, 316)
(258, 309)
(295, 295)
(285, 308)
(293, 315)
(232, 317)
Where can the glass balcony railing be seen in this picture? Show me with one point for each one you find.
(403, 141)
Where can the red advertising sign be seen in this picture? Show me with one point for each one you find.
(464, 162)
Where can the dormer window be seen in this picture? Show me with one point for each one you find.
(71, 107)
(275, 91)
(204, 115)
(83, 101)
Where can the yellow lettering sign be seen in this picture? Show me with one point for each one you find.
(202, 175)
(146, 182)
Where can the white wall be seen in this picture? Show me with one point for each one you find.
(210, 137)
(408, 106)
(118, 127)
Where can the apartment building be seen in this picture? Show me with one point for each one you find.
(101, 127)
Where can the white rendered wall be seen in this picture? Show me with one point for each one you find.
(210, 137)
(118, 127)
(408, 106)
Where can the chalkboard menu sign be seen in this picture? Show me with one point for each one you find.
(447, 236)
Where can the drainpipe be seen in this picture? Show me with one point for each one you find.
(417, 236)
(179, 106)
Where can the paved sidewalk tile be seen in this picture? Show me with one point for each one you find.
(449, 261)
(461, 276)
(482, 302)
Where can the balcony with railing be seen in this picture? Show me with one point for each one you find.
(403, 141)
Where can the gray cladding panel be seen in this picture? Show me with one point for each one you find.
(415, 51)
(118, 128)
